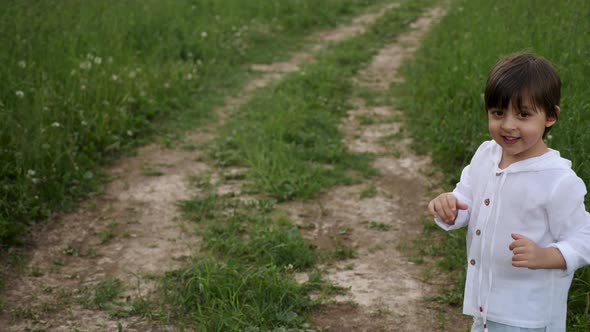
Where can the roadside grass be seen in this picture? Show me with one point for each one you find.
(84, 82)
(442, 99)
(287, 137)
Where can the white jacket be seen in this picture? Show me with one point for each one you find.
(540, 198)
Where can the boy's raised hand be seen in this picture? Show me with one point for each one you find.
(526, 253)
(446, 207)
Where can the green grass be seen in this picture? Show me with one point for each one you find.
(84, 82)
(288, 137)
(443, 102)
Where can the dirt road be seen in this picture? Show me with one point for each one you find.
(134, 230)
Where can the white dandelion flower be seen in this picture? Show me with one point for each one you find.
(114, 77)
(31, 173)
(87, 65)
(132, 74)
(204, 34)
(84, 123)
(98, 60)
(189, 76)
(166, 85)
(22, 64)
(56, 125)
(19, 94)
(129, 133)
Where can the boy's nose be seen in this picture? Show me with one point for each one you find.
(508, 123)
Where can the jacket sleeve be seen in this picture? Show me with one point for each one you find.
(569, 222)
(463, 193)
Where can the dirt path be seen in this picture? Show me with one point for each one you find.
(133, 230)
(385, 291)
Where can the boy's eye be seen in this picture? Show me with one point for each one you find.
(524, 114)
(497, 112)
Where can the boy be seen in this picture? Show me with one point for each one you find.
(528, 230)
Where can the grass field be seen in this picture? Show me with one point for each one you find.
(443, 97)
(75, 111)
(83, 82)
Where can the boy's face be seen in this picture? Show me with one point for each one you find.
(519, 132)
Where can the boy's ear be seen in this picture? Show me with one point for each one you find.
(551, 120)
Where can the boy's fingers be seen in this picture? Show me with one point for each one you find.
(439, 210)
(522, 263)
(461, 205)
(431, 209)
(451, 202)
(516, 244)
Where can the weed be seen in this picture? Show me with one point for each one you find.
(151, 170)
(379, 226)
(108, 233)
(365, 120)
(342, 252)
(70, 249)
(36, 272)
(369, 192)
(106, 291)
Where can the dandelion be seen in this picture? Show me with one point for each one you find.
(114, 77)
(204, 34)
(87, 65)
(142, 93)
(110, 59)
(132, 74)
(19, 94)
(89, 56)
(82, 87)
(98, 60)
(129, 133)
(73, 72)
(549, 137)
(166, 85)
(189, 76)
(56, 125)
(22, 64)
(31, 173)
(84, 123)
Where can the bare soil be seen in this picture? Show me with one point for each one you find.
(134, 230)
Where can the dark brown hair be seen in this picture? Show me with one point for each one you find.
(522, 75)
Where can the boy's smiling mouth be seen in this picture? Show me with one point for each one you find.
(510, 139)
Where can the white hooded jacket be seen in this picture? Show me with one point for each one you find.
(540, 198)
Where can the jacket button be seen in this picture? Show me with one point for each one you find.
(486, 201)
(472, 262)
(478, 232)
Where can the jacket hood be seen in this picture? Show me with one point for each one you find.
(549, 160)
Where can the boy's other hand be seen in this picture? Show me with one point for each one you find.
(446, 207)
(526, 253)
